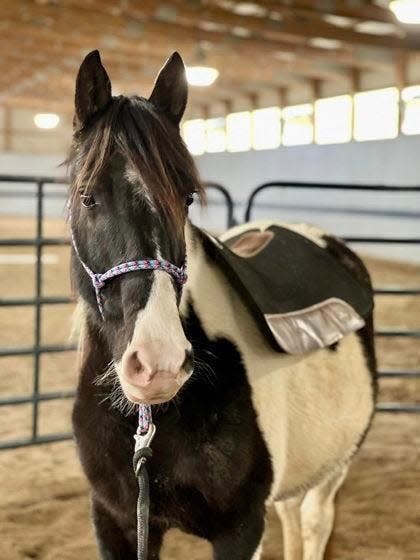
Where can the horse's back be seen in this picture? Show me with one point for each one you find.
(334, 246)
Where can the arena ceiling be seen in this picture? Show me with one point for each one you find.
(258, 47)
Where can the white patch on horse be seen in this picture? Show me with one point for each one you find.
(323, 397)
(157, 247)
(257, 554)
(160, 320)
(158, 330)
(134, 179)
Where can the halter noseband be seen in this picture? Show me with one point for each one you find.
(99, 279)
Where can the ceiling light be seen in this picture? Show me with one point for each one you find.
(406, 11)
(376, 28)
(46, 120)
(338, 21)
(323, 43)
(249, 9)
(201, 75)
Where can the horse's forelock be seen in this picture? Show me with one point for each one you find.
(149, 144)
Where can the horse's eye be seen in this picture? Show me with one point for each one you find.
(189, 200)
(88, 201)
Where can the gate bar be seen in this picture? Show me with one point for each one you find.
(413, 408)
(414, 334)
(24, 242)
(31, 350)
(38, 293)
(326, 186)
(13, 444)
(389, 373)
(51, 396)
(18, 302)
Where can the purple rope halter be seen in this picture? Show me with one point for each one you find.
(98, 282)
(145, 418)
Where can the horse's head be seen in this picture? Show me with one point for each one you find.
(132, 180)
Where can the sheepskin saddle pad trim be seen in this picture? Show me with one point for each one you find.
(302, 297)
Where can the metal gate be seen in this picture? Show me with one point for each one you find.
(383, 291)
(39, 241)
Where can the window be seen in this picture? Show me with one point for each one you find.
(297, 125)
(194, 133)
(333, 120)
(216, 135)
(266, 128)
(376, 114)
(411, 110)
(238, 131)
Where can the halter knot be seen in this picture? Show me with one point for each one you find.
(97, 281)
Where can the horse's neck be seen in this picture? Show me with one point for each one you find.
(208, 290)
(203, 275)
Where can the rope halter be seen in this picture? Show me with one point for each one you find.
(99, 279)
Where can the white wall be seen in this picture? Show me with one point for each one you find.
(32, 164)
(388, 162)
(352, 213)
(394, 162)
(391, 162)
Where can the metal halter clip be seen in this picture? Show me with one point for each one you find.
(143, 441)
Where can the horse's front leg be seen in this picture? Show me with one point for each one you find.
(116, 544)
(243, 540)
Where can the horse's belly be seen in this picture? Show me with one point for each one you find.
(312, 412)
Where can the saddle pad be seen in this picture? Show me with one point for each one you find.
(301, 296)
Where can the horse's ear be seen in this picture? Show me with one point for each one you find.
(93, 90)
(171, 90)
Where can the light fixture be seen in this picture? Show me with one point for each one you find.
(201, 75)
(406, 11)
(323, 43)
(46, 120)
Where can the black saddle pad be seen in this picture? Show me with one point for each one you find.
(294, 288)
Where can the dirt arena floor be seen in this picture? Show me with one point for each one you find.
(44, 504)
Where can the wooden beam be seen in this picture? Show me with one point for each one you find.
(355, 76)
(7, 129)
(316, 88)
(360, 11)
(61, 80)
(270, 28)
(262, 57)
(182, 29)
(253, 101)
(401, 69)
(283, 96)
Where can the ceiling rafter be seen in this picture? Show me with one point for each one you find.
(360, 11)
(45, 42)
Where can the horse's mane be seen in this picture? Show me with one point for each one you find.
(133, 128)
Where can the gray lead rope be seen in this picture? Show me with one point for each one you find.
(142, 452)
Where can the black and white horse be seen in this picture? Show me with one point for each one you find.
(242, 426)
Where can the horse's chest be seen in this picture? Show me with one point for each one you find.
(212, 468)
(201, 484)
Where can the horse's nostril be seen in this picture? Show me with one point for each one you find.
(135, 363)
(189, 361)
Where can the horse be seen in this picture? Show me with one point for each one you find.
(239, 426)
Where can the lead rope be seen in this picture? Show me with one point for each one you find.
(142, 451)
